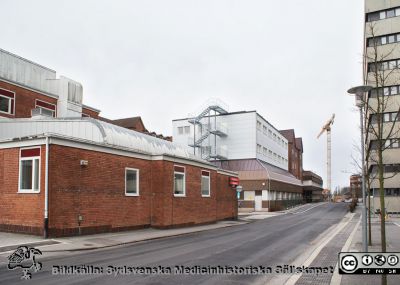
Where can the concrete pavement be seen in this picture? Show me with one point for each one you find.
(10, 241)
(269, 242)
(355, 245)
(89, 242)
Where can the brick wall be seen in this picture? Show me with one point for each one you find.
(24, 100)
(226, 199)
(19, 212)
(96, 192)
(90, 113)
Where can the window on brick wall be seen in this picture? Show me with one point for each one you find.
(179, 181)
(131, 182)
(29, 170)
(48, 107)
(205, 183)
(7, 101)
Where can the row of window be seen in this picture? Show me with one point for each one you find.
(184, 130)
(383, 14)
(7, 104)
(383, 65)
(29, 176)
(385, 91)
(7, 101)
(272, 135)
(387, 168)
(389, 143)
(269, 153)
(383, 40)
(388, 192)
(385, 117)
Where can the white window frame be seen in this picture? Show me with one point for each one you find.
(137, 182)
(259, 149)
(55, 107)
(9, 102)
(184, 181)
(259, 125)
(209, 183)
(33, 158)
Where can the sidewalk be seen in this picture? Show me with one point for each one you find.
(393, 245)
(10, 241)
(259, 215)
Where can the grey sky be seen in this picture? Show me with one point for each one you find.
(292, 61)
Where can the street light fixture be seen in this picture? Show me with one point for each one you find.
(360, 92)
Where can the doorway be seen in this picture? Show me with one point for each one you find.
(258, 203)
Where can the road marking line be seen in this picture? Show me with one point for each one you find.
(332, 233)
(336, 277)
(306, 209)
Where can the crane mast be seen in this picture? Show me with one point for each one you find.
(327, 128)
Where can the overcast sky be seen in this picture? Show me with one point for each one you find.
(292, 61)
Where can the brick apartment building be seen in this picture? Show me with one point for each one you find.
(355, 185)
(312, 187)
(295, 153)
(64, 172)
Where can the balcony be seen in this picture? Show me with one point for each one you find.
(220, 152)
(219, 129)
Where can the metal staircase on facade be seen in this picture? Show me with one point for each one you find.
(207, 125)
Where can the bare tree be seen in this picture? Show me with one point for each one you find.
(369, 177)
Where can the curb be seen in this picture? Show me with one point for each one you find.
(336, 277)
(11, 247)
(137, 241)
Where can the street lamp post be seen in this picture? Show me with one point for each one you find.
(359, 92)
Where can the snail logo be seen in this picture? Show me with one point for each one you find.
(25, 257)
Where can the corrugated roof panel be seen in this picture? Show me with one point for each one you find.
(91, 130)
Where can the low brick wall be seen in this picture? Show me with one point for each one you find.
(96, 193)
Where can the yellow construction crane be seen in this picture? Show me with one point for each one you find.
(327, 128)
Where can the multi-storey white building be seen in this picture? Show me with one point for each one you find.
(247, 143)
(220, 135)
(382, 49)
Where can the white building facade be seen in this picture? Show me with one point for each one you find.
(231, 136)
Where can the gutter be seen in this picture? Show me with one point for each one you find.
(46, 193)
(269, 183)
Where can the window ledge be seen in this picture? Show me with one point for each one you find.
(131, 195)
(28, 192)
(206, 196)
(179, 195)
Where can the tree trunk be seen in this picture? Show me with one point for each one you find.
(383, 211)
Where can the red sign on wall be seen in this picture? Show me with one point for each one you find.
(233, 181)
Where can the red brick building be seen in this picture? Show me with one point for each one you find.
(355, 185)
(312, 187)
(98, 177)
(295, 153)
(63, 171)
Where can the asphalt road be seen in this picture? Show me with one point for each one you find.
(270, 242)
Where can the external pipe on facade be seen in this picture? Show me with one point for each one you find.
(46, 192)
(269, 186)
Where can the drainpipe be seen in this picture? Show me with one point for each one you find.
(46, 192)
(269, 185)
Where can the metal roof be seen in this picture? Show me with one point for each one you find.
(92, 130)
(254, 169)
